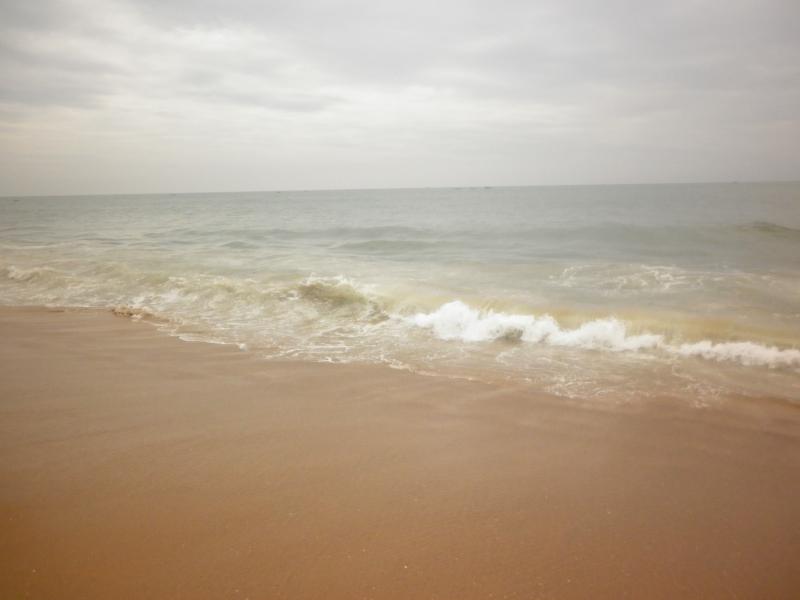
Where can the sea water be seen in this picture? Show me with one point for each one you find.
(592, 292)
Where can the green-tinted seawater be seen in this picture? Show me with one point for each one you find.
(608, 291)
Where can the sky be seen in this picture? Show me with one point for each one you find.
(122, 96)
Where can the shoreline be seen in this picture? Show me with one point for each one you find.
(137, 465)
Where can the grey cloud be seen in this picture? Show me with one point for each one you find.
(82, 62)
(390, 82)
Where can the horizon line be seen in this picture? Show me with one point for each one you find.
(408, 188)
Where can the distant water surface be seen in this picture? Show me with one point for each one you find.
(616, 292)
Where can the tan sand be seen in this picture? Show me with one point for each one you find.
(133, 465)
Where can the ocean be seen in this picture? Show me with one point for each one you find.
(598, 293)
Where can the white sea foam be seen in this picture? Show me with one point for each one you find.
(458, 321)
(747, 353)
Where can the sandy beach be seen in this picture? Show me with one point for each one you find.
(399, 301)
(135, 465)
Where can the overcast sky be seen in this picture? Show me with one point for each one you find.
(102, 96)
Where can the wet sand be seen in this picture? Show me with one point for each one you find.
(134, 465)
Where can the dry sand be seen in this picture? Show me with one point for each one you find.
(133, 465)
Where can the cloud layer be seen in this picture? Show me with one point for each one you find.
(116, 96)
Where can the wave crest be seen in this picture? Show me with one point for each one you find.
(340, 295)
(26, 275)
(746, 353)
(335, 291)
(458, 321)
(773, 229)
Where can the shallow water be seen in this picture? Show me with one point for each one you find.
(617, 292)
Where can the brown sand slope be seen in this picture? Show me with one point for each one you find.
(133, 465)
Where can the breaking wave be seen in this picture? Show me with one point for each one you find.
(746, 353)
(31, 274)
(458, 321)
(290, 311)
